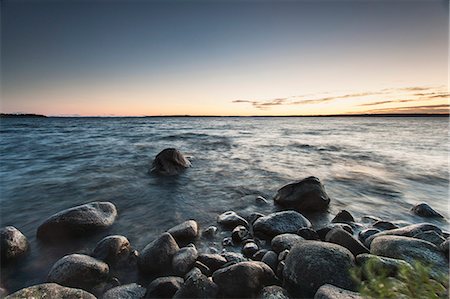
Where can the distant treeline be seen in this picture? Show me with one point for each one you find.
(20, 115)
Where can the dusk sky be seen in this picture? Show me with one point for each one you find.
(224, 57)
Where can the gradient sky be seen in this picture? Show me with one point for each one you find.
(224, 57)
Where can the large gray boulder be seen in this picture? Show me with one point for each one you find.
(305, 195)
(311, 264)
(78, 221)
(406, 231)
(280, 223)
(164, 287)
(50, 290)
(343, 238)
(113, 249)
(197, 285)
(128, 291)
(169, 161)
(157, 256)
(244, 279)
(78, 271)
(13, 244)
(184, 259)
(185, 232)
(285, 241)
(329, 291)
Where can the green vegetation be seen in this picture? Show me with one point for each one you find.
(409, 281)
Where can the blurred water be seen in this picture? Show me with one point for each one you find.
(370, 166)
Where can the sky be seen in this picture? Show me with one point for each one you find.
(135, 58)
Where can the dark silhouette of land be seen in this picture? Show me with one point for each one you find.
(21, 115)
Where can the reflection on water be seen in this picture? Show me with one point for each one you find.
(377, 166)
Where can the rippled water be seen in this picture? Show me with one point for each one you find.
(370, 166)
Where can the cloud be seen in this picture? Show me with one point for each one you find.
(439, 108)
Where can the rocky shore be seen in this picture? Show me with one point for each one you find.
(279, 255)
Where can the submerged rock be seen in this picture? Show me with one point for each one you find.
(305, 195)
(343, 216)
(50, 290)
(157, 256)
(78, 271)
(243, 280)
(113, 249)
(197, 285)
(285, 241)
(230, 219)
(184, 259)
(343, 238)
(170, 161)
(128, 291)
(311, 264)
(329, 291)
(209, 232)
(13, 244)
(185, 232)
(164, 287)
(424, 210)
(280, 223)
(78, 221)
(273, 292)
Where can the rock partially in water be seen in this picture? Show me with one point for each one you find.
(305, 195)
(212, 260)
(329, 291)
(254, 216)
(407, 231)
(243, 280)
(384, 225)
(285, 241)
(209, 232)
(273, 292)
(78, 221)
(113, 249)
(50, 290)
(308, 234)
(78, 271)
(343, 216)
(430, 236)
(311, 264)
(240, 233)
(424, 210)
(184, 259)
(128, 291)
(231, 219)
(280, 223)
(13, 244)
(164, 287)
(271, 260)
(366, 233)
(261, 200)
(169, 161)
(157, 256)
(379, 264)
(197, 285)
(185, 232)
(343, 238)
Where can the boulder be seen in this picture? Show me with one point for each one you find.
(78, 271)
(197, 285)
(430, 236)
(164, 287)
(329, 291)
(169, 161)
(157, 256)
(343, 216)
(279, 223)
(13, 244)
(209, 232)
(50, 290)
(366, 233)
(379, 264)
(311, 264)
(424, 210)
(343, 238)
(184, 259)
(243, 280)
(273, 292)
(407, 231)
(384, 225)
(214, 261)
(254, 216)
(128, 291)
(322, 232)
(259, 255)
(185, 232)
(249, 249)
(305, 195)
(78, 221)
(233, 257)
(239, 234)
(112, 249)
(285, 241)
(308, 234)
(230, 219)
(271, 259)
(261, 200)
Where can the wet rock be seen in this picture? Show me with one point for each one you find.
(210, 232)
(343, 216)
(271, 259)
(50, 290)
(279, 223)
(259, 254)
(366, 233)
(285, 241)
(185, 232)
(213, 261)
(230, 219)
(169, 161)
(233, 258)
(273, 292)
(243, 280)
(305, 195)
(197, 285)
(424, 210)
(227, 242)
(322, 232)
(239, 233)
(112, 249)
(311, 264)
(13, 244)
(384, 225)
(308, 234)
(203, 268)
(343, 238)
(261, 200)
(157, 255)
(410, 250)
(128, 291)
(78, 271)
(78, 221)
(249, 249)
(430, 236)
(382, 265)
(407, 231)
(184, 259)
(329, 291)
(164, 287)
(254, 216)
